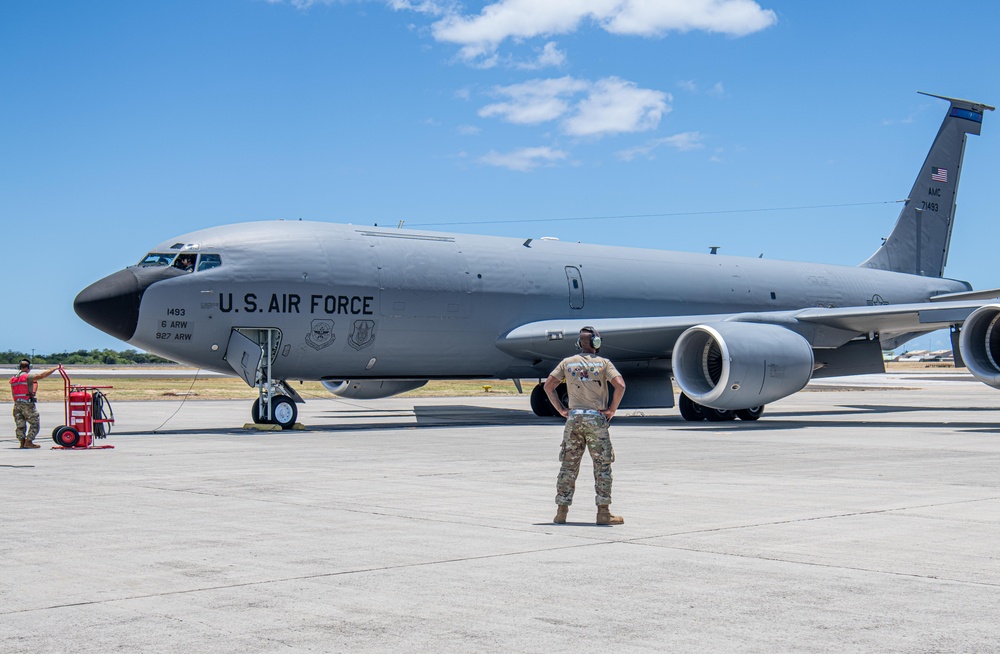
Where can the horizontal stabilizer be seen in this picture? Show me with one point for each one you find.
(978, 107)
(987, 294)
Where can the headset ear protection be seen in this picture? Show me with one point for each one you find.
(24, 363)
(595, 338)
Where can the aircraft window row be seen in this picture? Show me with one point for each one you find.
(187, 261)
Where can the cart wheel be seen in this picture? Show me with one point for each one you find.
(66, 436)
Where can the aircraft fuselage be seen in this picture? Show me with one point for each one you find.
(355, 302)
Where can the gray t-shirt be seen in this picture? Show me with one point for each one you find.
(587, 377)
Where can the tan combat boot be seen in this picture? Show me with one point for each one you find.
(604, 516)
(28, 445)
(561, 512)
(20, 442)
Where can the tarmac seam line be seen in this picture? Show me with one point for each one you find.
(813, 518)
(321, 575)
(964, 582)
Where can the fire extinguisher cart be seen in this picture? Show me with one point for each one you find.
(88, 417)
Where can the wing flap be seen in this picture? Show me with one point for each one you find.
(918, 317)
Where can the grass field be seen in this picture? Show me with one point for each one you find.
(233, 388)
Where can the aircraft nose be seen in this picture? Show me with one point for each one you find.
(112, 304)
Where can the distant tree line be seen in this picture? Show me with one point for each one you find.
(84, 357)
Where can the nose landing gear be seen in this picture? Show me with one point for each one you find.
(281, 407)
(275, 403)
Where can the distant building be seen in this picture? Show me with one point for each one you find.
(925, 356)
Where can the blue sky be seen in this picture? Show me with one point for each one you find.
(126, 123)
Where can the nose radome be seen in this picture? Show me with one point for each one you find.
(112, 304)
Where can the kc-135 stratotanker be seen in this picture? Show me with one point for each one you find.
(373, 312)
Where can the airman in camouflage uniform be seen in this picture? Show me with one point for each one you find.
(22, 388)
(587, 376)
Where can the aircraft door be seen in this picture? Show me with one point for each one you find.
(244, 356)
(245, 352)
(575, 281)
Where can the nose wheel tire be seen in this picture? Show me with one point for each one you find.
(284, 413)
(255, 413)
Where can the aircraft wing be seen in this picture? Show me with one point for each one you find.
(654, 336)
(919, 316)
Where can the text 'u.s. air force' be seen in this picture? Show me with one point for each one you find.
(293, 303)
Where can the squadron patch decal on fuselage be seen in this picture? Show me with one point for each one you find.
(321, 334)
(362, 334)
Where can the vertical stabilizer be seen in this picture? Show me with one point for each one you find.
(918, 244)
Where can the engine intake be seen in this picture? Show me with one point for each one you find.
(371, 389)
(979, 344)
(734, 365)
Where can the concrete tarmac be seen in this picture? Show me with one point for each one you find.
(843, 521)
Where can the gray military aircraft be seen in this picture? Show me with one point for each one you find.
(373, 312)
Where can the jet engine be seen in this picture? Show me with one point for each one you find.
(370, 389)
(735, 365)
(979, 344)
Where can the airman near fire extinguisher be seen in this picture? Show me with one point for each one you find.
(23, 386)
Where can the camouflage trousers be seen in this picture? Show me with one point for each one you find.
(585, 432)
(25, 413)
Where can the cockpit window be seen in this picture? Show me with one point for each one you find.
(209, 261)
(155, 259)
(185, 261)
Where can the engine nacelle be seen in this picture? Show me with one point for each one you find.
(738, 365)
(371, 389)
(979, 344)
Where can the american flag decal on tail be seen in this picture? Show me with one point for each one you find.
(939, 174)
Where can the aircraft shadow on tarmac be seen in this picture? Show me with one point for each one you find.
(570, 523)
(462, 416)
(801, 419)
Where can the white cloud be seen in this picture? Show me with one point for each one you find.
(614, 106)
(468, 130)
(299, 4)
(431, 7)
(480, 35)
(607, 106)
(648, 18)
(716, 90)
(550, 56)
(683, 142)
(523, 160)
(535, 101)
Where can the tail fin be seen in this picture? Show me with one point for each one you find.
(918, 244)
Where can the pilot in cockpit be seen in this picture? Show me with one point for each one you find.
(185, 262)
